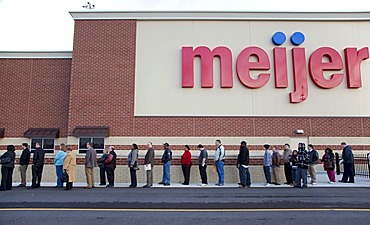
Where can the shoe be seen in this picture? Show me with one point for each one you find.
(109, 186)
(330, 182)
(185, 183)
(314, 183)
(161, 182)
(276, 183)
(166, 184)
(248, 186)
(343, 181)
(267, 184)
(304, 186)
(146, 186)
(21, 185)
(220, 185)
(286, 183)
(239, 183)
(203, 185)
(87, 187)
(241, 186)
(102, 184)
(297, 186)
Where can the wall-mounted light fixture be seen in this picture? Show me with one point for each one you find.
(299, 131)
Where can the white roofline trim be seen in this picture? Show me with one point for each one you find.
(221, 15)
(36, 55)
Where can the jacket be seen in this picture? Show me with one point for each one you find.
(220, 153)
(11, 155)
(102, 160)
(243, 156)
(302, 159)
(313, 157)
(286, 155)
(167, 155)
(38, 157)
(132, 159)
(276, 159)
(25, 157)
(328, 160)
(59, 157)
(90, 158)
(186, 158)
(267, 161)
(111, 159)
(149, 157)
(347, 155)
(69, 164)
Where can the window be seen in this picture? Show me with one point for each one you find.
(98, 144)
(46, 143)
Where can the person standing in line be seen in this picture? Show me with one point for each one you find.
(186, 165)
(348, 162)
(293, 160)
(202, 161)
(133, 164)
(287, 167)
(243, 166)
(302, 166)
(90, 163)
(38, 166)
(276, 160)
(110, 166)
(7, 166)
(329, 164)
(101, 165)
(69, 166)
(24, 161)
(219, 159)
(313, 156)
(149, 164)
(267, 161)
(58, 162)
(166, 160)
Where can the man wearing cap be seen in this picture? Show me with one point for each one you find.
(202, 160)
(243, 166)
(166, 160)
(219, 162)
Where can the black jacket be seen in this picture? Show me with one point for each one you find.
(347, 155)
(302, 159)
(243, 156)
(25, 157)
(149, 157)
(313, 157)
(10, 154)
(113, 161)
(38, 157)
(167, 155)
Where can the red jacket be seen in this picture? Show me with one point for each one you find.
(186, 158)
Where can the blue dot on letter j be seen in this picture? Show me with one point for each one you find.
(297, 38)
(278, 38)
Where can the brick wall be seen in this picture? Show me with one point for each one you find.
(34, 93)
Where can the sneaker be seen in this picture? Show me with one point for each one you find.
(220, 185)
(203, 185)
(21, 185)
(330, 182)
(314, 183)
(166, 184)
(241, 186)
(161, 182)
(267, 184)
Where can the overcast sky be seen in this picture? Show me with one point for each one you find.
(46, 25)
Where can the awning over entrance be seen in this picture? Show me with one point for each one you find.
(91, 131)
(2, 131)
(42, 133)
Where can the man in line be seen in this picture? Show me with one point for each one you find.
(149, 164)
(58, 162)
(276, 159)
(202, 161)
(312, 162)
(38, 166)
(24, 161)
(287, 167)
(348, 161)
(243, 166)
(302, 166)
(267, 161)
(110, 166)
(90, 163)
(166, 160)
(219, 162)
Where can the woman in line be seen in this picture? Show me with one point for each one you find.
(58, 162)
(69, 166)
(133, 164)
(293, 160)
(186, 165)
(7, 167)
(329, 164)
(102, 168)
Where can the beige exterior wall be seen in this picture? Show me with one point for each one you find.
(158, 89)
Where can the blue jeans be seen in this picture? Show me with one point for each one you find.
(59, 170)
(267, 172)
(294, 172)
(301, 177)
(245, 178)
(166, 173)
(220, 171)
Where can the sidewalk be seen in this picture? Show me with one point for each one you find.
(322, 181)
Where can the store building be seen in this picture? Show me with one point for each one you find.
(190, 78)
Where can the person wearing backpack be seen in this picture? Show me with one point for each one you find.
(219, 162)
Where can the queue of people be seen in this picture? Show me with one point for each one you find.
(298, 165)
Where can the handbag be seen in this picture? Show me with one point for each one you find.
(64, 177)
(6, 160)
(328, 165)
(147, 167)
